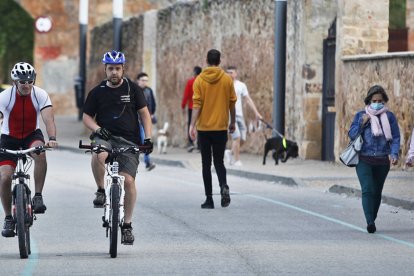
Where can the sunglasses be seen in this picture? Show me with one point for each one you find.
(24, 82)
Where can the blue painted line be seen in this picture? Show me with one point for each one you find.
(33, 259)
(385, 237)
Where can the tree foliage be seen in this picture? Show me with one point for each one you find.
(16, 37)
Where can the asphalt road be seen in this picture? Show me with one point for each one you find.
(269, 229)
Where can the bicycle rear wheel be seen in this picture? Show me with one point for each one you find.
(114, 220)
(22, 228)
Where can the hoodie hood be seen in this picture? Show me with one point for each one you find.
(212, 74)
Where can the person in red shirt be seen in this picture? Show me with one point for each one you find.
(188, 100)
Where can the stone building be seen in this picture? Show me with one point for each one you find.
(56, 53)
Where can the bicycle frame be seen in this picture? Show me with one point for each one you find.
(21, 177)
(113, 178)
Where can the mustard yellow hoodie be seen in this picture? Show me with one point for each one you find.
(214, 95)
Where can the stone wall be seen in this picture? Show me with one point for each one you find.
(243, 31)
(308, 24)
(101, 42)
(392, 71)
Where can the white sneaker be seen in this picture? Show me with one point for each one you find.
(228, 157)
(238, 163)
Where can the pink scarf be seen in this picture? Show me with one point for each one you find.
(375, 124)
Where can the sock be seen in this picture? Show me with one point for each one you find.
(38, 194)
(101, 190)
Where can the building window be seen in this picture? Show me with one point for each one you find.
(398, 32)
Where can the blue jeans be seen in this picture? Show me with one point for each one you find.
(371, 178)
(147, 159)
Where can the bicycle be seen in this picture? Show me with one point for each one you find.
(21, 196)
(114, 192)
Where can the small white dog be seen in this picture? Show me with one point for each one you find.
(162, 140)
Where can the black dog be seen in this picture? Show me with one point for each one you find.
(276, 144)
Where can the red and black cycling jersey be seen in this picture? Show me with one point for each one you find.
(21, 113)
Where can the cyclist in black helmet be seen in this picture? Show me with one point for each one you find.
(110, 112)
(21, 107)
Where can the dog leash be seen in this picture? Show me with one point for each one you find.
(277, 132)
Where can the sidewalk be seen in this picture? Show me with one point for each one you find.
(322, 175)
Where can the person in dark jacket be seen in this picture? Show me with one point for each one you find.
(142, 80)
(380, 132)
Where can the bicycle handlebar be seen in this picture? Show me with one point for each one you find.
(100, 148)
(36, 150)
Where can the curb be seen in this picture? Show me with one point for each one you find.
(396, 202)
(263, 177)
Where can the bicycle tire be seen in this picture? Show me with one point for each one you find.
(29, 222)
(21, 226)
(114, 220)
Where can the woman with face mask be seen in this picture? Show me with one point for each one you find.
(380, 132)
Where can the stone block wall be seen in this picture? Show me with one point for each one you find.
(392, 71)
(243, 31)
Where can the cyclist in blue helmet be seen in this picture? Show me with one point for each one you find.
(111, 113)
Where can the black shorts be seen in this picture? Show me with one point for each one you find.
(12, 143)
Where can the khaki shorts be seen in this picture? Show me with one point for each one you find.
(128, 162)
(241, 130)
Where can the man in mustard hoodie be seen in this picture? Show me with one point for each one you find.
(214, 97)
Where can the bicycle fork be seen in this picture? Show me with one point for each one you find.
(29, 216)
(115, 179)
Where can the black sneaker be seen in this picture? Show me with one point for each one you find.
(225, 195)
(127, 237)
(8, 228)
(99, 200)
(38, 206)
(150, 166)
(208, 204)
(371, 228)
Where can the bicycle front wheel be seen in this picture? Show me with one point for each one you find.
(21, 226)
(114, 220)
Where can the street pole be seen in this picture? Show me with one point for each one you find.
(279, 81)
(118, 8)
(81, 79)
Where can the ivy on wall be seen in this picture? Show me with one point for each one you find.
(16, 37)
(397, 14)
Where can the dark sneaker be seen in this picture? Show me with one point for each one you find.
(371, 228)
(37, 204)
(99, 200)
(225, 196)
(208, 204)
(150, 166)
(127, 237)
(8, 228)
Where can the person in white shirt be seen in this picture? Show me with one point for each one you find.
(239, 135)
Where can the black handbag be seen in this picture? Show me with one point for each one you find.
(350, 156)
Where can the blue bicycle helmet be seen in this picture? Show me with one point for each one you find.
(113, 57)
